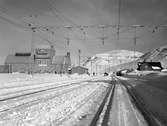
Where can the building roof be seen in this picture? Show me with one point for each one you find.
(12, 59)
(23, 54)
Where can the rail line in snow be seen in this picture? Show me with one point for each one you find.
(101, 117)
(86, 100)
(36, 97)
(21, 91)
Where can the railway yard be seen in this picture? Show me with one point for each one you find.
(51, 100)
(83, 62)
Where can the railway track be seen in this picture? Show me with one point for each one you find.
(118, 101)
(101, 117)
(24, 88)
(79, 106)
(29, 91)
(92, 91)
(29, 99)
(138, 102)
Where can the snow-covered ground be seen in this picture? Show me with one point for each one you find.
(23, 79)
(123, 111)
(51, 109)
(136, 72)
(16, 84)
(48, 107)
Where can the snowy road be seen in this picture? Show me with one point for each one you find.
(152, 91)
(119, 109)
(124, 112)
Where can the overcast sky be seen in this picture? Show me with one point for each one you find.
(15, 38)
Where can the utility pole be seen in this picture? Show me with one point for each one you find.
(91, 67)
(79, 56)
(96, 68)
(134, 42)
(69, 28)
(33, 29)
(135, 39)
(68, 44)
(32, 50)
(31, 62)
(103, 38)
(135, 35)
(108, 64)
(119, 18)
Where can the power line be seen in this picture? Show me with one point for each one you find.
(47, 29)
(54, 11)
(58, 13)
(30, 27)
(74, 24)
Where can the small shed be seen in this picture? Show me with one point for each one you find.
(79, 70)
(155, 66)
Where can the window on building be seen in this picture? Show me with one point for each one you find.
(42, 62)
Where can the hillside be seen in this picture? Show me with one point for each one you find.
(158, 54)
(102, 62)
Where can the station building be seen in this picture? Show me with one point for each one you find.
(43, 60)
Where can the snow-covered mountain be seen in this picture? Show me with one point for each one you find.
(158, 54)
(101, 62)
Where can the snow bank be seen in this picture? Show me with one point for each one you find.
(136, 72)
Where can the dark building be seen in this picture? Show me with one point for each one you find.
(43, 60)
(155, 66)
(19, 62)
(79, 70)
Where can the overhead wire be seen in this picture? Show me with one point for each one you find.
(74, 25)
(26, 26)
(67, 19)
(55, 10)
